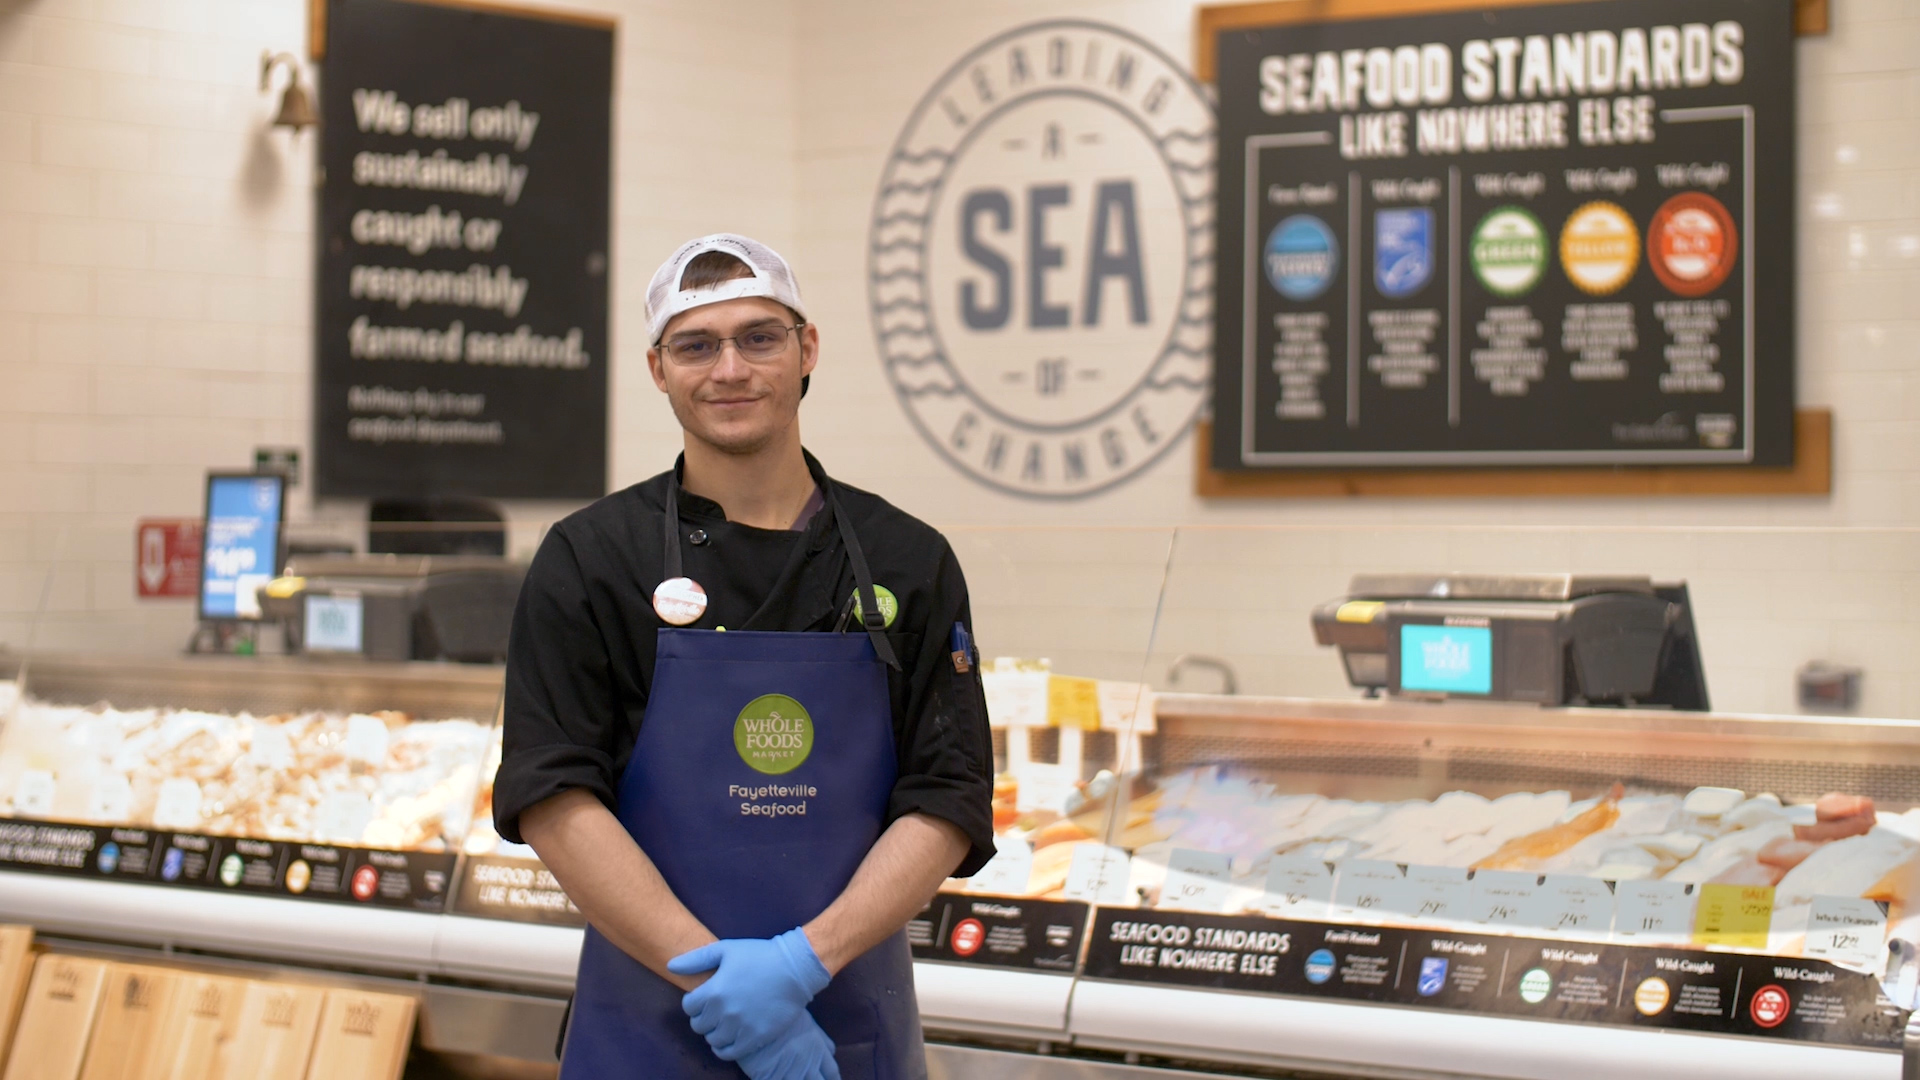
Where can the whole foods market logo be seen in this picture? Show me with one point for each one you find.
(1041, 259)
(773, 734)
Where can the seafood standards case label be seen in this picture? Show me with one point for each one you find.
(1579, 982)
(407, 880)
(518, 890)
(1559, 234)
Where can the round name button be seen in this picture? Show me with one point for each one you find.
(679, 601)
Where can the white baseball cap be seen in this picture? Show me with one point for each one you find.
(772, 278)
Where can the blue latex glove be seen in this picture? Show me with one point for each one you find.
(802, 1052)
(759, 987)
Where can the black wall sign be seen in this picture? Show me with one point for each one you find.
(1523, 236)
(1637, 986)
(462, 317)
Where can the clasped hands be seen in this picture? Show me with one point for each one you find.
(753, 1011)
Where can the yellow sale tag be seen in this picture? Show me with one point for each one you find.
(1360, 611)
(1073, 702)
(1734, 915)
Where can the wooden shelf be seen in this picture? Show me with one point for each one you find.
(1810, 474)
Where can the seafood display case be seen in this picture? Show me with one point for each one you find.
(1438, 882)
(1375, 885)
(267, 812)
(1279, 875)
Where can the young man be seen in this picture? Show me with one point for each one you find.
(744, 723)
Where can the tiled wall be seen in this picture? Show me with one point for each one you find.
(154, 285)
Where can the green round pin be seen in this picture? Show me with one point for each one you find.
(889, 605)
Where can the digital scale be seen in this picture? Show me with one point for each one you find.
(397, 607)
(1550, 639)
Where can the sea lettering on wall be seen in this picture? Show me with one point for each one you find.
(1040, 259)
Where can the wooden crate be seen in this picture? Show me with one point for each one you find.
(275, 1033)
(200, 1028)
(363, 1035)
(130, 1030)
(57, 1019)
(16, 968)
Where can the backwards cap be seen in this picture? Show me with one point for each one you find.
(772, 278)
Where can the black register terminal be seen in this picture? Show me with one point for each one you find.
(1552, 639)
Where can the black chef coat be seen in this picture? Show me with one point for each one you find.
(581, 656)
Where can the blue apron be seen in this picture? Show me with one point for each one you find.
(749, 862)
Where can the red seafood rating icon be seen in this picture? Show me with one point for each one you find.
(365, 880)
(1691, 243)
(968, 936)
(1770, 1006)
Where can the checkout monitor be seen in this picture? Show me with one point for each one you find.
(240, 549)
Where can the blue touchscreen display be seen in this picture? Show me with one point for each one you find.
(241, 545)
(1446, 659)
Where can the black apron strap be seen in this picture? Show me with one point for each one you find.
(871, 618)
(672, 520)
(870, 615)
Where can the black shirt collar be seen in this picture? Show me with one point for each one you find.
(700, 508)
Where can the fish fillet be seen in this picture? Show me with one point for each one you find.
(1517, 853)
(1846, 867)
(1835, 828)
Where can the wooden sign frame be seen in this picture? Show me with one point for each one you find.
(1810, 474)
(317, 20)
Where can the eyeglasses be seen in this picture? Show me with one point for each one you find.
(757, 345)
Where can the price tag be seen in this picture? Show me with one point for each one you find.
(1098, 875)
(1073, 702)
(1368, 889)
(1737, 916)
(1197, 881)
(1298, 887)
(1016, 698)
(1146, 874)
(1126, 706)
(1502, 897)
(1042, 792)
(1007, 873)
(33, 795)
(1438, 893)
(1574, 905)
(111, 799)
(178, 806)
(1654, 912)
(1847, 930)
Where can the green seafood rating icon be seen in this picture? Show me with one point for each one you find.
(1508, 251)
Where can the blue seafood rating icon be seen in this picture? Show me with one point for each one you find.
(1402, 251)
(1301, 257)
(1433, 976)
